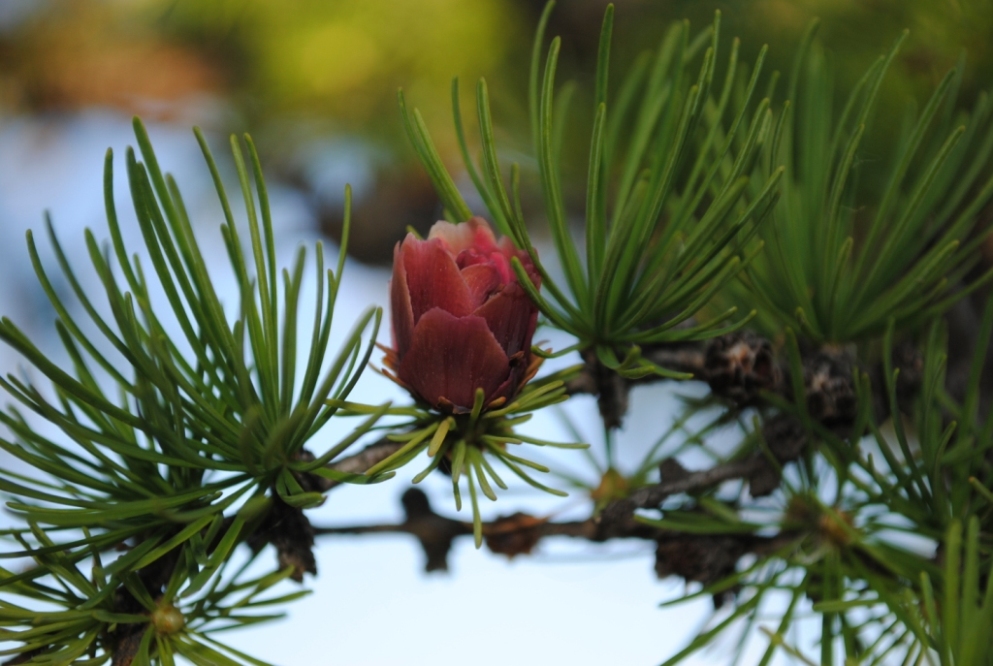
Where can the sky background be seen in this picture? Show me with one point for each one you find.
(371, 604)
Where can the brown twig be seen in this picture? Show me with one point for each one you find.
(695, 557)
(509, 535)
(652, 496)
(362, 461)
(737, 366)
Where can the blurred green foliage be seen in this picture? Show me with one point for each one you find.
(341, 62)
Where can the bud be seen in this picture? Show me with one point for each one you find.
(167, 619)
(461, 320)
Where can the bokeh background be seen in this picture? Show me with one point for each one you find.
(314, 82)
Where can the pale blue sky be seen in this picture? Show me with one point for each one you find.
(571, 603)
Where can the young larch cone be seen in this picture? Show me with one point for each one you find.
(461, 320)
